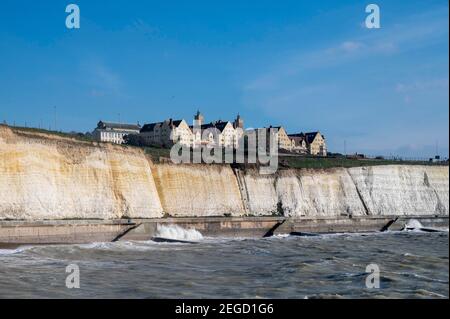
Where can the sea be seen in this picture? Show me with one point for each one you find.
(406, 264)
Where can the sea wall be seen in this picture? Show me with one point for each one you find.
(50, 177)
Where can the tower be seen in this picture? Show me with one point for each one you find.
(238, 122)
(199, 119)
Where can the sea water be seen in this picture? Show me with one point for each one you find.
(412, 265)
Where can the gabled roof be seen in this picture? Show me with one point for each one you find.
(118, 126)
(219, 125)
(297, 138)
(177, 123)
(151, 126)
(311, 136)
(301, 135)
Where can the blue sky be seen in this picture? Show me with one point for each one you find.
(307, 65)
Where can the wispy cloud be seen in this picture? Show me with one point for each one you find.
(423, 85)
(355, 80)
(411, 34)
(102, 80)
(409, 91)
(144, 28)
(351, 46)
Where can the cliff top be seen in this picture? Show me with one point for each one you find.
(15, 134)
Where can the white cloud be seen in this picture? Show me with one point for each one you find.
(101, 79)
(411, 34)
(351, 46)
(422, 85)
(301, 90)
(106, 77)
(145, 28)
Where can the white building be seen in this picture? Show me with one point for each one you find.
(114, 132)
(218, 133)
(167, 133)
(312, 143)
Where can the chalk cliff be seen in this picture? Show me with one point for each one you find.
(403, 190)
(190, 190)
(50, 177)
(304, 193)
(47, 177)
(378, 190)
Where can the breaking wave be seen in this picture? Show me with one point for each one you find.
(413, 224)
(178, 233)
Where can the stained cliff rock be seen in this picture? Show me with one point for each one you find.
(304, 193)
(198, 190)
(51, 177)
(403, 190)
(45, 177)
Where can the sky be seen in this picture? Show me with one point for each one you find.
(306, 65)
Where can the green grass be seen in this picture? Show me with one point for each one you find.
(22, 130)
(332, 162)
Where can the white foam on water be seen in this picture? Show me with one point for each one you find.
(15, 251)
(280, 236)
(8, 251)
(178, 233)
(120, 245)
(413, 224)
(418, 276)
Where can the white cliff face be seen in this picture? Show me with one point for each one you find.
(303, 193)
(48, 177)
(262, 195)
(198, 190)
(42, 178)
(318, 193)
(403, 190)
